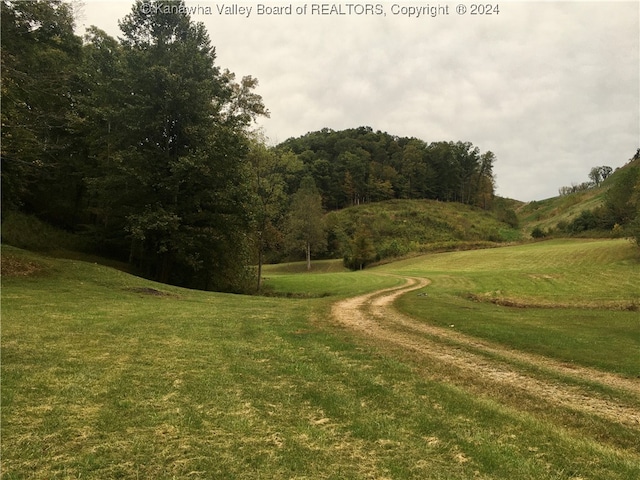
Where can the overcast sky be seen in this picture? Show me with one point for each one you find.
(552, 88)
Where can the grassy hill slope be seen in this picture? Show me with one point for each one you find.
(547, 214)
(106, 375)
(403, 227)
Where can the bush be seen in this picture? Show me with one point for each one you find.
(634, 230)
(508, 216)
(361, 250)
(393, 248)
(538, 233)
(585, 221)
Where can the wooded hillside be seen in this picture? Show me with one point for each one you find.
(361, 165)
(139, 143)
(146, 149)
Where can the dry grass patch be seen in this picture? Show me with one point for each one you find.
(497, 298)
(12, 266)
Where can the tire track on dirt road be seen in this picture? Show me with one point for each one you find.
(374, 316)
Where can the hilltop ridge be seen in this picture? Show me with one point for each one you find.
(554, 214)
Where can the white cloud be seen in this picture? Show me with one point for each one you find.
(552, 88)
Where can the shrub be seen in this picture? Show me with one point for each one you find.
(585, 221)
(538, 233)
(634, 230)
(562, 226)
(393, 248)
(361, 250)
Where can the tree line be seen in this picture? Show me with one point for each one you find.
(597, 175)
(139, 143)
(358, 165)
(145, 146)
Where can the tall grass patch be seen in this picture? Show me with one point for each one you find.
(402, 227)
(29, 232)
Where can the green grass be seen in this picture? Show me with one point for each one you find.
(29, 232)
(105, 375)
(326, 284)
(317, 266)
(573, 300)
(405, 227)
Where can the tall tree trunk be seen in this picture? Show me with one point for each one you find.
(260, 263)
(308, 256)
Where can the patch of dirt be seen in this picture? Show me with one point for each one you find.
(149, 291)
(373, 315)
(11, 266)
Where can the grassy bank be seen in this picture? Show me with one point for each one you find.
(105, 375)
(575, 300)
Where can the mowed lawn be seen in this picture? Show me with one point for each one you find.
(105, 375)
(574, 300)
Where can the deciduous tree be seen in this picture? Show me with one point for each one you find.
(361, 250)
(306, 230)
(270, 172)
(40, 59)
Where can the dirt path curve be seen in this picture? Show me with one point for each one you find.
(373, 315)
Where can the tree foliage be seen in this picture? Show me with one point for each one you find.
(621, 200)
(306, 229)
(39, 89)
(596, 176)
(141, 141)
(271, 172)
(359, 165)
(361, 250)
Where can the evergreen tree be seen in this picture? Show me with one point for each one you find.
(40, 56)
(176, 172)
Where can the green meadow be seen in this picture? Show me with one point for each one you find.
(574, 300)
(106, 375)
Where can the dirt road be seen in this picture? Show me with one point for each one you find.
(374, 316)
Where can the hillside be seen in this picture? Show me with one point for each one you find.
(397, 228)
(547, 213)
(563, 209)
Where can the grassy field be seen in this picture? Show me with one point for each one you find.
(317, 266)
(574, 300)
(327, 278)
(106, 375)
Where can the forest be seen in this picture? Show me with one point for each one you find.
(138, 143)
(359, 165)
(147, 149)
